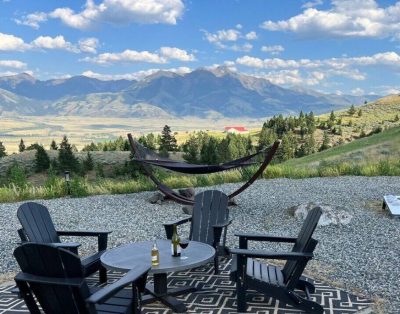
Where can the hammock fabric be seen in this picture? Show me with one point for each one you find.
(148, 158)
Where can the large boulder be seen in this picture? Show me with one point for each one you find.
(331, 215)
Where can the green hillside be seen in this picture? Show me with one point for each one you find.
(385, 145)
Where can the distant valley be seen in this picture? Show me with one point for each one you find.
(202, 93)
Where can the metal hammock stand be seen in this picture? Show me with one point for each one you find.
(148, 158)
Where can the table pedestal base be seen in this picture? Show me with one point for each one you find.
(159, 291)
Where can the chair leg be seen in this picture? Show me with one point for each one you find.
(103, 274)
(216, 264)
(241, 297)
(306, 305)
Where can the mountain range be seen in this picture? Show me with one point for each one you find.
(200, 93)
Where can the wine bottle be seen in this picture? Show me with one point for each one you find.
(155, 255)
(175, 249)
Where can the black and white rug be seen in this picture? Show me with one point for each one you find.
(217, 295)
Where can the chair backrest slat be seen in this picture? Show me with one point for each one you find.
(37, 224)
(49, 261)
(210, 208)
(302, 242)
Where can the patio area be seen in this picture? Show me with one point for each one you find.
(217, 295)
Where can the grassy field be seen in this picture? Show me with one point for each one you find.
(84, 130)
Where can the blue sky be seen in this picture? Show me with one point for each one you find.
(337, 46)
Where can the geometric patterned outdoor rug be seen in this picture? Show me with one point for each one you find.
(217, 295)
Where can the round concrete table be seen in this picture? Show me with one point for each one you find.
(129, 256)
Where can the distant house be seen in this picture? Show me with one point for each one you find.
(235, 129)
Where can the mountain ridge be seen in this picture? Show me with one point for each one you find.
(219, 90)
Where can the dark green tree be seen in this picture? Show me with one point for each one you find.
(66, 158)
(167, 140)
(42, 160)
(191, 149)
(352, 110)
(90, 148)
(267, 137)
(53, 145)
(208, 153)
(332, 117)
(325, 142)
(88, 163)
(21, 146)
(2, 150)
(359, 112)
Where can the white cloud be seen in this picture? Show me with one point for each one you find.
(251, 35)
(356, 18)
(32, 20)
(12, 43)
(274, 50)
(12, 64)
(131, 56)
(357, 91)
(311, 4)
(127, 56)
(58, 42)
(221, 38)
(176, 53)
(88, 44)
(223, 35)
(239, 26)
(289, 71)
(121, 12)
(135, 75)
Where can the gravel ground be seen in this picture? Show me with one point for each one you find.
(362, 256)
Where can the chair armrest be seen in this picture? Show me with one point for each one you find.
(168, 226)
(217, 229)
(272, 255)
(137, 274)
(24, 277)
(82, 233)
(70, 246)
(102, 236)
(245, 237)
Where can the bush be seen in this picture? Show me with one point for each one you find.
(78, 188)
(17, 176)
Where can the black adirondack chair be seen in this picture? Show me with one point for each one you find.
(55, 277)
(38, 227)
(273, 281)
(209, 221)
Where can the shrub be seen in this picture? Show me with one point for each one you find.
(78, 188)
(17, 176)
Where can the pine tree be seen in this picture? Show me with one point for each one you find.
(208, 153)
(21, 146)
(266, 138)
(2, 150)
(53, 145)
(88, 163)
(66, 158)
(352, 110)
(168, 140)
(42, 160)
(359, 113)
(332, 117)
(325, 142)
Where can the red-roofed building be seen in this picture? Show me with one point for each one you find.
(235, 129)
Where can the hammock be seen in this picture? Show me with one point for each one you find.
(148, 158)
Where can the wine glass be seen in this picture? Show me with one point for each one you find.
(183, 243)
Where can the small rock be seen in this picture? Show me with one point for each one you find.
(157, 197)
(188, 193)
(187, 209)
(331, 215)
